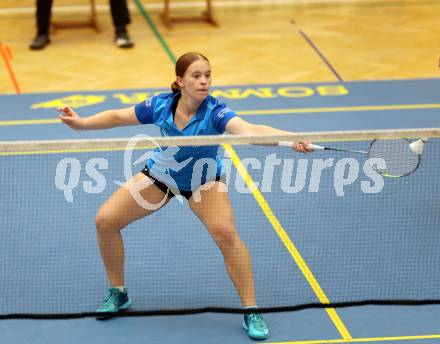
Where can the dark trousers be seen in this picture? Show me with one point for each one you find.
(119, 11)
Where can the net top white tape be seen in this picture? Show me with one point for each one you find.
(10, 147)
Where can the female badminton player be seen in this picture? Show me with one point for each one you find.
(188, 110)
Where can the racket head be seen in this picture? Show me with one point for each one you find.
(400, 159)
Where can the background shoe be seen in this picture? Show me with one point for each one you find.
(39, 42)
(122, 39)
(115, 301)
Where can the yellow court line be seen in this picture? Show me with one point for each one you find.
(30, 121)
(287, 242)
(341, 109)
(268, 112)
(362, 340)
(76, 150)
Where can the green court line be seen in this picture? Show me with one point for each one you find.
(268, 112)
(153, 27)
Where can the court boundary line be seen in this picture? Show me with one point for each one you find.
(318, 51)
(269, 112)
(69, 151)
(6, 53)
(361, 340)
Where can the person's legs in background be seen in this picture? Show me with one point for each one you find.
(43, 14)
(121, 18)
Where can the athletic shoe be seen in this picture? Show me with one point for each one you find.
(115, 301)
(255, 326)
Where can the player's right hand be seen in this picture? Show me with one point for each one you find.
(71, 118)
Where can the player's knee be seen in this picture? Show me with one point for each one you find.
(105, 221)
(225, 236)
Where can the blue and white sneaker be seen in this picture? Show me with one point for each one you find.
(255, 326)
(115, 301)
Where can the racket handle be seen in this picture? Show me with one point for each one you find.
(289, 144)
(285, 143)
(316, 147)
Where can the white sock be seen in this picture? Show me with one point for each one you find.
(121, 289)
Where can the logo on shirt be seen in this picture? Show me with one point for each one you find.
(223, 112)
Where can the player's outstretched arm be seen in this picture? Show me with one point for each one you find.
(238, 126)
(102, 120)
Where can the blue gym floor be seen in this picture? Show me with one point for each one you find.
(338, 241)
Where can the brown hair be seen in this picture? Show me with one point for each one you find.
(182, 65)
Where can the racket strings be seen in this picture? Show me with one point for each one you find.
(399, 158)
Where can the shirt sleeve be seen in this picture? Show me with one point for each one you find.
(145, 110)
(220, 116)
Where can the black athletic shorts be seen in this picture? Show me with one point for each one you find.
(164, 188)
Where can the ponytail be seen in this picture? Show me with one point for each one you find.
(175, 87)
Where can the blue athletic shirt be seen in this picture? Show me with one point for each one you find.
(184, 168)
